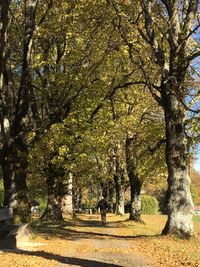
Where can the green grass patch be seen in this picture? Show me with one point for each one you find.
(196, 218)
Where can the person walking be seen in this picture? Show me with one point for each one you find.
(102, 205)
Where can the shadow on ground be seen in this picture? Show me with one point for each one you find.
(65, 260)
(62, 230)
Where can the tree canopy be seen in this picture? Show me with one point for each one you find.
(103, 95)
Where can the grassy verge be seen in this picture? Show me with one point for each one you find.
(196, 218)
(143, 238)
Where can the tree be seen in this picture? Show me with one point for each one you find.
(144, 159)
(61, 75)
(172, 55)
(15, 107)
(166, 29)
(140, 128)
(36, 85)
(4, 20)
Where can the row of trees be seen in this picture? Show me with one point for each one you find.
(95, 84)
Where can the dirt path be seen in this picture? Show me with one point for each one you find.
(88, 244)
(84, 242)
(104, 253)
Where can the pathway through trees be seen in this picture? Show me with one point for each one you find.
(84, 242)
(90, 244)
(104, 249)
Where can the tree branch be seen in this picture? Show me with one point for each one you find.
(110, 94)
(151, 36)
(194, 56)
(154, 148)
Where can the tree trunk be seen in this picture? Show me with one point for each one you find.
(13, 119)
(172, 95)
(135, 181)
(53, 210)
(21, 209)
(110, 196)
(119, 186)
(8, 180)
(14, 168)
(118, 175)
(178, 196)
(136, 203)
(67, 197)
(4, 19)
(5, 161)
(77, 199)
(103, 191)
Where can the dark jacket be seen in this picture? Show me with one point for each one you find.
(102, 204)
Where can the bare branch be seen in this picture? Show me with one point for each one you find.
(43, 17)
(195, 71)
(110, 94)
(152, 149)
(167, 6)
(152, 88)
(194, 56)
(190, 14)
(151, 36)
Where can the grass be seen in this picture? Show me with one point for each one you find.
(196, 218)
(167, 251)
(146, 238)
(143, 238)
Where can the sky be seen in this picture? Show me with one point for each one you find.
(197, 164)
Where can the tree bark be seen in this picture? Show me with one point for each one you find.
(53, 210)
(119, 187)
(13, 121)
(77, 199)
(8, 181)
(178, 197)
(110, 197)
(119, 180)
(14, 149)
(14, 167)
(67, 197)
(21, 209)
(4, 19)
(136, 202)
(103, 190)
(135, 181)
(173, 62)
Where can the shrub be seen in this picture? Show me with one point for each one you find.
(149, 205)
(42, 205)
